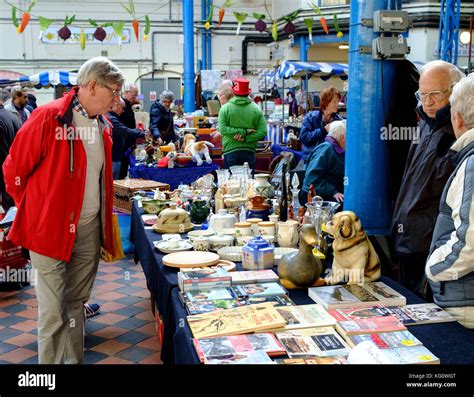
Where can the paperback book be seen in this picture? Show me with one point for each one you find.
(204, 279)
(241, 320)
(312, 360)
(257, 357)
(386, 340)
(320, 341)
(370, 325)
(254, 276)
(305, 316)
(208, 295)
(354, 295)
(209, 348)
(200, 307)
(260, 289)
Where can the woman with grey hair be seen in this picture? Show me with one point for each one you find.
(325, 167)
(161, 119)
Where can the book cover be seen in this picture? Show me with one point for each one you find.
(313, 360)
(369, 312)
(259, 289)
(305, 316)
(370, 325)
(386, 340)
(209, 348)
(256, 357)
(209, 295)
(367, 352)
(254, 276)
(426, 313)
(352, 296)
(276, 300)
(236, 321)
(320, 341)
(200, 307)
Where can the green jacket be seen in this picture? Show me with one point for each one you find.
(236, 117)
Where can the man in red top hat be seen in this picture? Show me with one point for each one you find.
(242, 125)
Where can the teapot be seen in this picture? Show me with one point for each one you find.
(258, 254)
(221, 220)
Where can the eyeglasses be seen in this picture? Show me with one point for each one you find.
(114, 92)
(435, 95)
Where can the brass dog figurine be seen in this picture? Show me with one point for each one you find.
(301, 269)
(355, 259)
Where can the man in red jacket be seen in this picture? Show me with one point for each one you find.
(59, 172)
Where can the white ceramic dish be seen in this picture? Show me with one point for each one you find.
(233, 254)
(167, 236)
(280, 251)
(200, 233)
(162, 245)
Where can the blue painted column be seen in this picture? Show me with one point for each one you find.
(304, 44)
(209, 38)
(366, 187)
(204, 34)
(188, 31)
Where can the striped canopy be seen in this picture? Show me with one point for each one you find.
(319, 69)
(45, 79)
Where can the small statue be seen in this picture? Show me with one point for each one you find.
(301, 269)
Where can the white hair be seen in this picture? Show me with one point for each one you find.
(167, 94)
(100, 69)
(129, 87)
(337, 129)
(462, 100)
(454, 73)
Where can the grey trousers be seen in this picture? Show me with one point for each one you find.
(62, 288)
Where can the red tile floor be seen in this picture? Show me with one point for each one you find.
(123, 332)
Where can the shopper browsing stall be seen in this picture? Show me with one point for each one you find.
(242, 125)
(313, 128)
(64, 192)
(161, 119)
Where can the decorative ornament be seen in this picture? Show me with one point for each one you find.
(146, 32)
(44, 24)
(275, 30)
(241, 17)
(82, 39)
(309, 24)
(336, 26)
(99, 34)
(290, 28)
(118, 29)
(207, 25)
(25, 19)
(260, 25)
(131, 10)
(65, 33)
(322, 20)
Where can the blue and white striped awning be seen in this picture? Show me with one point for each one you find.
(56, 77)
(314, 69)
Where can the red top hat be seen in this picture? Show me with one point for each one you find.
(241, 87)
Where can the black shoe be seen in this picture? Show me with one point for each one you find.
(91, 309)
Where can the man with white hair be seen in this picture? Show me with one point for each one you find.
(450, 266)
(325, 167)
(59, 172)
(428, 167)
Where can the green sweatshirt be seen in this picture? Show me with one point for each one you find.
(236, 117)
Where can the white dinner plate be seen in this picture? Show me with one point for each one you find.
(162, 245)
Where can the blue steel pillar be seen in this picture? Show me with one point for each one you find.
(304, 44)
(204, 34)
(209, 38)
(448, 33)
(188, 30)
(366, 187)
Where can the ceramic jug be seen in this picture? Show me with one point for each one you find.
(263, 187)
(287, 233)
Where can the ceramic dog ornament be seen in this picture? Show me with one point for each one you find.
(197, 150)
(355, 259)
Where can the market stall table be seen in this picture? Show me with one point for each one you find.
(451, 342)
(172, 176)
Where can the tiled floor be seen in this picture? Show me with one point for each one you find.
(123, 333)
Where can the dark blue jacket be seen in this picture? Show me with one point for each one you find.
(325, 170)
(313, 131)
(161, 123)
(120, 134)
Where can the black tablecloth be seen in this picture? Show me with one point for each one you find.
(451, 342)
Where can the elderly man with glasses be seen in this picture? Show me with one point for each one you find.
(428, 167)
(59, 173)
